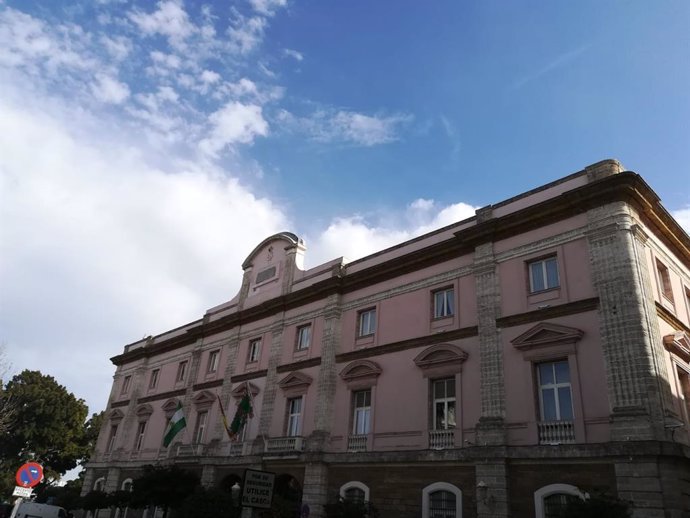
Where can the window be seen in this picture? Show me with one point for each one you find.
(111, 439)
(687, 301)
(303, 337)
(294, 418)
(361, 417)
(441, 500)
(550, 500)
(125, 385)
(181, 372)
(254, 350)
(355, 492)
(367, 322)
(555, 397)
(444, 303)
(664, 281)
(354, 495)
(200, 427)
(139, 441)
(153, 380)
(213, 359)
(444, 403)
(543, 274)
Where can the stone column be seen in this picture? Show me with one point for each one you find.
(208, 476)
(494, 475)
(625, 324)
(315, 490)
(233, 347)
(491, 426)
(268, 400)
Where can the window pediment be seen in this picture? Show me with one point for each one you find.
(679, 344)
(295, 381)
(170, 406)
(361, 374)
(239, 391)
(116, 415)
(144, 410)
(203, 399)
(544, 334)
(441, 355)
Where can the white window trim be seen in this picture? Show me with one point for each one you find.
(300, 333)
(97, 482)
(125, 482)
(444, 308)
(546, 491)
(371, 329)
(441, 486)
(555, 386)
(543, 261)
(254, 342)
(356, 485)
(444, 400)
(298, 417)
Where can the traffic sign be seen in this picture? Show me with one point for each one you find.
(29, 475)
(257, 490)
(22, 492)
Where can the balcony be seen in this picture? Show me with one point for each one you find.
(284, 444)
(357, 443)
(237, 449)
(556, 432)
(442, 439)
(189, 450)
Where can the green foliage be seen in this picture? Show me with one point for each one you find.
(343, 508)
(208, 502)
(48, 427)
(91, 430)
(596, 506)
(96, 500)
(66, 496)
(165, 487)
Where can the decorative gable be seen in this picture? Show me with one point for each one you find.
(116, 415)
(361, 374)
(545, 333)
(240, 390)
(295, 383)
(678, 343)
(203, 399)
(144, 411)
(170, 406)
(441, 360)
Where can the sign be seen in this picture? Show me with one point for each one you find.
(29, 475)
(22, 492)
(257, 490)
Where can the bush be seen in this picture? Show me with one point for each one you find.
(351, 509)
(596, 506)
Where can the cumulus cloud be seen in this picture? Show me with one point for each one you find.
(234, 123)
(107, 89)
(682, 216)
(293, 54)
(246, 33)
(267, 7)
(169, 19)
(346, 126)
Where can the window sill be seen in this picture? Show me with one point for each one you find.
(363, 340)
(539, 297)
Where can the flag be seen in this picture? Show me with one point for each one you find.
(244, 412)
(224, 418)
(177, 423)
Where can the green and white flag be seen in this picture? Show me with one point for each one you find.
(177, 423)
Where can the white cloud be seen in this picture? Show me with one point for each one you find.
(267, 7)
(118, 47)
(246, 33)
(209, 77)
(293, 54)
(169, 20)
(234, 123)
(109, 90)
(682, 216)
(346, 126)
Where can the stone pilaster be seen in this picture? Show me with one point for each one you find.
(268, 401)
(315, 490)
(627, 335)
(112, 480)
(128, 426)
(208, 476)
(639, 482)
(491, 429)
(89, 479)
(233, 347)
(494, 476)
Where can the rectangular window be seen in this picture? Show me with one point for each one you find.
(444, 403)
(294, 417)
(141, 430)
(181, 372)
(125, 384)
(444, 303)
(200, 427)
(687, 301)
(543, 274)
(254, 350)
(213, 359)
(361, 417)
(664, 281)
(367, 322)
(153, 380)
(303, 337)
(555, 396)
(111, 439)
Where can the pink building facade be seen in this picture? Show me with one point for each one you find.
(536, 352)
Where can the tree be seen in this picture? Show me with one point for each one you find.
(346, 508)
(7, 406)
(91, 430)
(164, 487)
(208, 502)
(596, 506)
(48, 426)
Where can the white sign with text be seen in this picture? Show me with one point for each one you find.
(258, 489)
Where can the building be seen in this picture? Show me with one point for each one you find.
(535, 352)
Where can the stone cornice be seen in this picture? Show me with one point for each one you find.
(570, 308)
(670, 318)
(627, 187)
(162, 395)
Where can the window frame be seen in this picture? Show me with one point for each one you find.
(293, 421)
(544, 271)
(445, 400)
(181, 375)
(553, 489)
(299, 334)
(142, 426)
(126, 382)
(200, 427)
(664, 282)
(112, 437)
(153, 378)
(447, 312)
(213, 361)
(360, 322)
(366, 411)
(441, 486)
(250, 348)
(354, 484)
(555, 387)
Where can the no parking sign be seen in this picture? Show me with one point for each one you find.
(29, 475)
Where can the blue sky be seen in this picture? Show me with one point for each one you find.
(147, 147)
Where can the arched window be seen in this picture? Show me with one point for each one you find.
(550, 500)
(441, 500)
(355, 492)
(99, 485)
